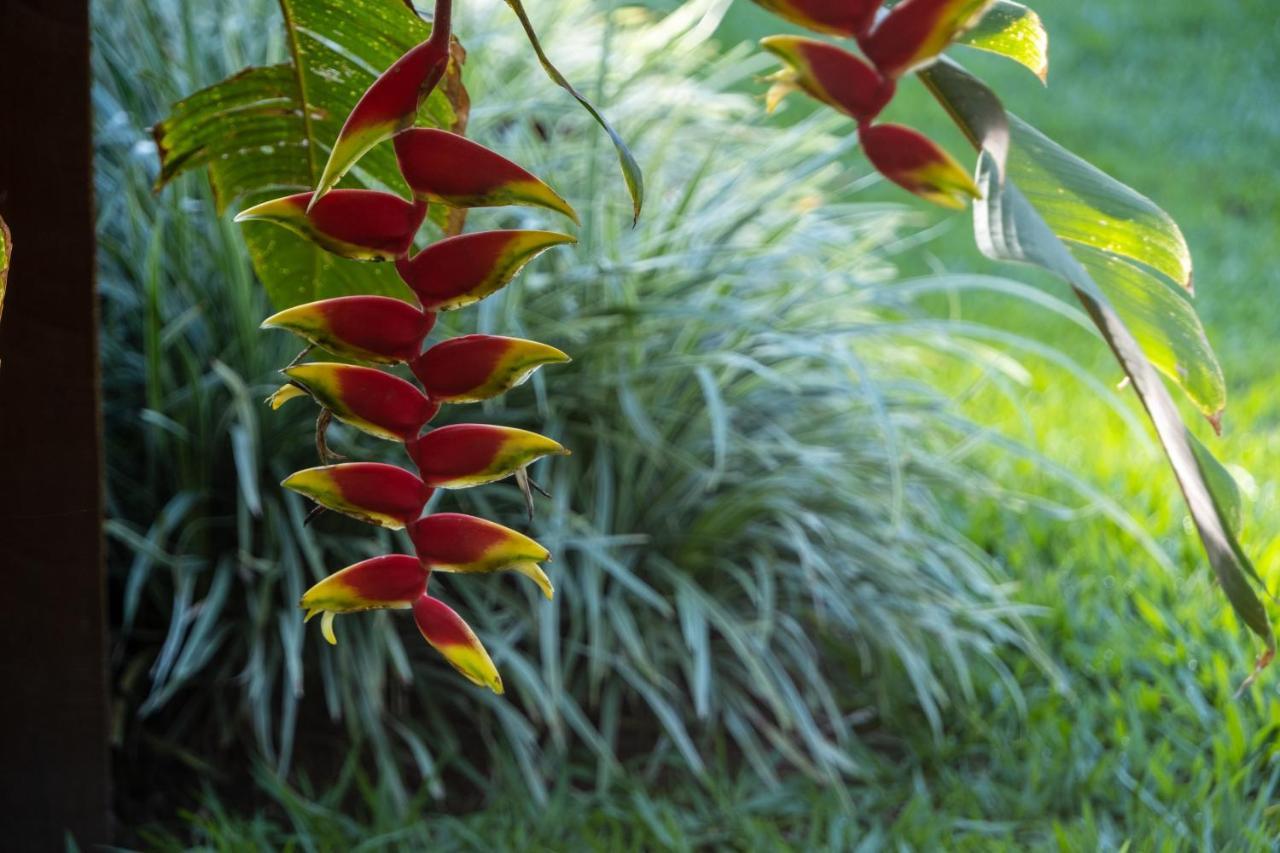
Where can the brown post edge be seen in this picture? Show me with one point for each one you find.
(54, 752)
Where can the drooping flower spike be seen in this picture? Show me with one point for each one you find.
(376, 329)
(833, 76)
(912, 161)
(849, 18)
(459, 271)
(464, 455)
(915, 32)
(362, 225)
(392, 582)
(380, 494)
(389, 105)
(446, 168)
(472, 368)
(368, 399)
(452, 637)
(464, 544)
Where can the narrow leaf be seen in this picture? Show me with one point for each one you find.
(630, 168)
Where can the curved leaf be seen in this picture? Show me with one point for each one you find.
(1011, 225)
(1011, 29)
(630, 168)
(265, 132)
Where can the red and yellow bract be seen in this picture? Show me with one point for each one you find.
(464, 455)
(452, 637)
(366, 398)
(465, 544)
(472, 368)
(361, 225)
(374, 492)
(459, 271)
(446, 168)
(376, 329)
(912, 161)
(915, 32)
(848, 18)
(833, 76)
(392, 582)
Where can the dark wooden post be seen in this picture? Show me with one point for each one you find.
(53, 716)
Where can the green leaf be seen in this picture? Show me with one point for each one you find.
(1015, 226)
(630, 168)
(6, 251)
(1011, 29)
(266, 132)
(1131, 248)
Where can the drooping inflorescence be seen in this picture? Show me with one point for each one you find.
(911, 35)
(376, 332)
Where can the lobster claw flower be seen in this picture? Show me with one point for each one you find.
(833, 76)
(450, 636)
(373, 492)
(912, 161)
(363, 225)
(458, 271)
(834, 17)
(449, 169)
(915, 32)
(463, 455)
(472, 368)
(376, 329)
(388, 106)
(390, 582)
(464, 544)
(366, 398)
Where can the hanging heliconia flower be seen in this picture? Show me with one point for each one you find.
(373, 332)
(907, 37)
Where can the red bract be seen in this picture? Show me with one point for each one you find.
(390, 104)
(476, 367)
(445, 168)
(834, 17)
(829, 74)
(367, 398)
(450, 636)
(362, 225)
(915, 32)
(458, 271)
(364, 328)
(369, 491)
(391, 582)
(913, 162)
(463, 455)
(453, 542)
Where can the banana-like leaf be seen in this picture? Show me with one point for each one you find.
(1131, 248)
(1011, 29)
(266, 132)
(6, 251)
(1015, 225)
(630, 168)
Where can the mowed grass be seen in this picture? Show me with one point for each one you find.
(1182, 101)
(1144, 743)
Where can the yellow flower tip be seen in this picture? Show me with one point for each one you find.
(277, 208)
(326, 627)
(495, 684)
(311, 611)
(535, 573)
(284, 394)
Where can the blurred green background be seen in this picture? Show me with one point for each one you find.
(909, 584)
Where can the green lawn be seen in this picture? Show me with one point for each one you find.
(1143, 741)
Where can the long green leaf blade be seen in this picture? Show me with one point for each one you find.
(630, 168)
(1009, 225)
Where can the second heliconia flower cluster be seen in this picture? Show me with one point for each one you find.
(364, 225)
(909, 36)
